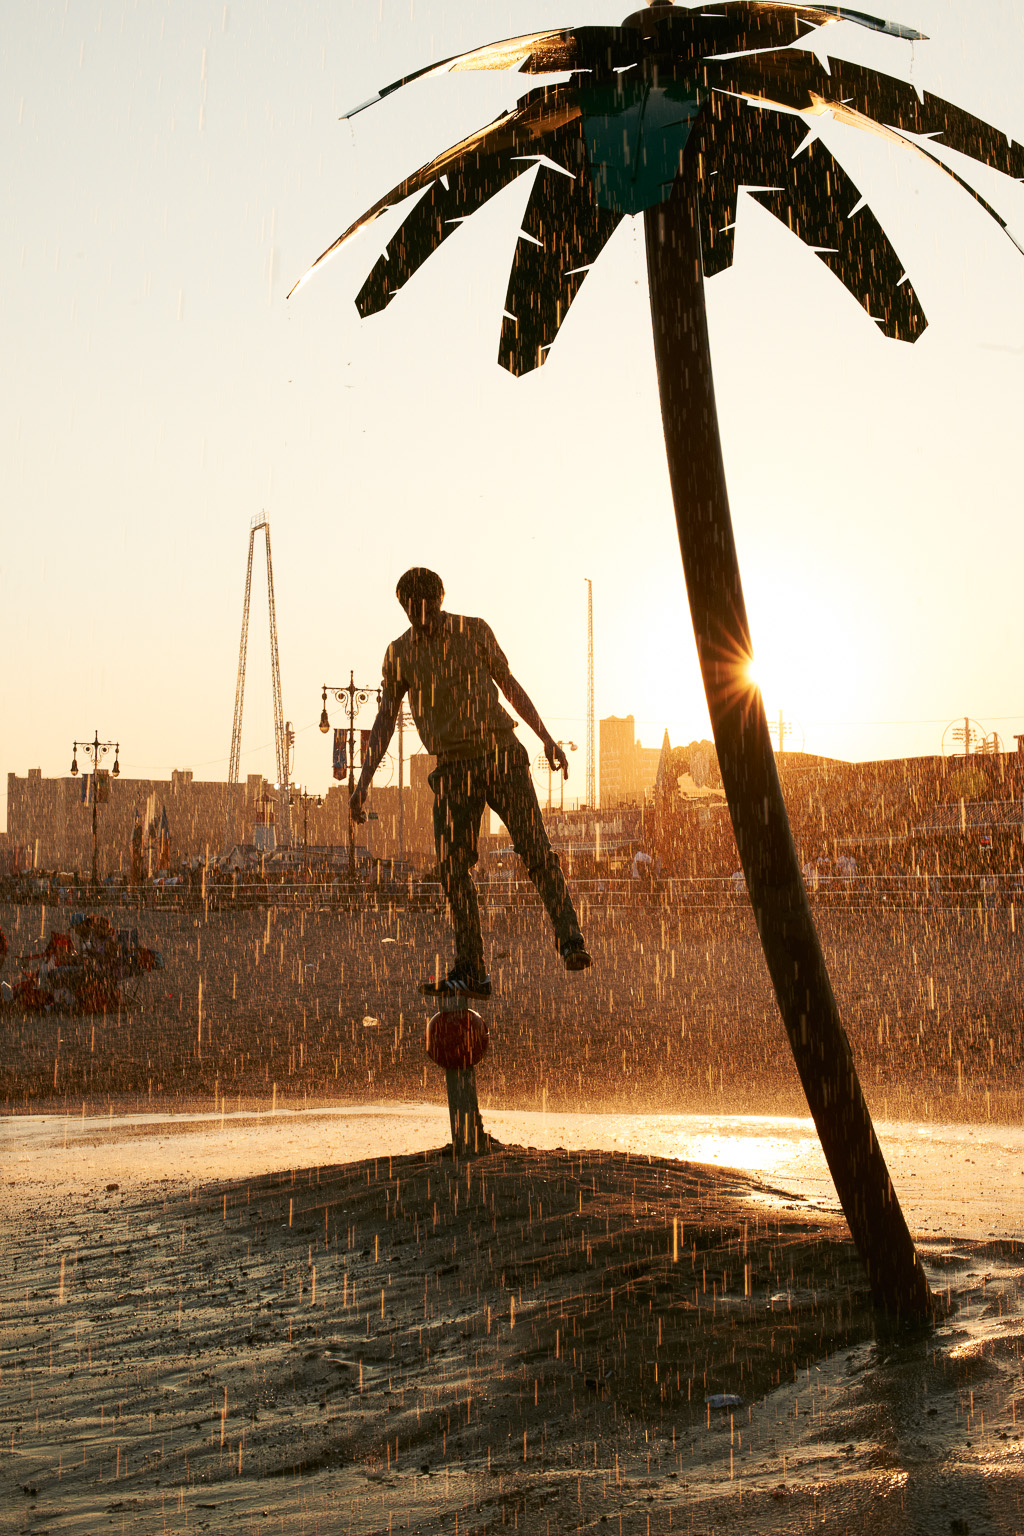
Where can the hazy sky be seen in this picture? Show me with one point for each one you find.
(171, 169)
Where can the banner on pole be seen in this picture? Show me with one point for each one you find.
(364, 745)
(102, 786)
(340, 753)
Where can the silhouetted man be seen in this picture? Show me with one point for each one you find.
(452, 668)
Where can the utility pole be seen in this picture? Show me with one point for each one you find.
(785, 729)
(591, 778)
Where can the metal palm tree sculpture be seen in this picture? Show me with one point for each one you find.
(670, 115)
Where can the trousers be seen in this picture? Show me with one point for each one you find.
(462, 789)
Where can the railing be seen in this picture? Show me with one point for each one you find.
(987, 892)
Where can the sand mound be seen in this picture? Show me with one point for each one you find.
(528, 1340)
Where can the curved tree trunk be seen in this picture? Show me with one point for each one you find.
(770, 865)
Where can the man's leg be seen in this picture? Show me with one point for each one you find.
(459, 799)
(511, 793)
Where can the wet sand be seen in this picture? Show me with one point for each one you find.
(527, 1339)
(960, 1180)
(264, 1008)
(260, 1328)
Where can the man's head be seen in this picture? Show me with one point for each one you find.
(421, 593)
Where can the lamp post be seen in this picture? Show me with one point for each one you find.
(543, 765)
(352, 698)
(570, 746)
(303, 798)
(97, 750)
(404, 719)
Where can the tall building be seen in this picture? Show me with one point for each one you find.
(647, 760)
(618, 761)
(629, 770)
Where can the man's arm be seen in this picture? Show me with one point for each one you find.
(526, 710)
(380, 738)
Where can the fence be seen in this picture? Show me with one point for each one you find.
(986, 892)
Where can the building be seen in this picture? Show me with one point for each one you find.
(49, 821)
(628, 769)
(52, 818)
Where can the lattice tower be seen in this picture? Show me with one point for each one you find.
(280, 738)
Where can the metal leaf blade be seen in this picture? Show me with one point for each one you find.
(813, 196)
(564, 232)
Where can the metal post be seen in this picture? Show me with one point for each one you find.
(96, 749)
(95, 860)
(401, 793)
(591, 779)
(467, 1126)
(351, 769)
(353, 697)
(742, 736)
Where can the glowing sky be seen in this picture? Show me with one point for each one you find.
(171, 170)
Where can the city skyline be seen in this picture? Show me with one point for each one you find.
(173, 176)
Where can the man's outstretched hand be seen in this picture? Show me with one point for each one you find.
(356, 801)
(557, 760)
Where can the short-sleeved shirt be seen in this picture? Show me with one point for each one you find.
(450, 680)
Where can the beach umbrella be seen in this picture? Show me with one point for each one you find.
(163, 845)
(669, 115)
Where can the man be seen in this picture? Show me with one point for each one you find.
(452, 668)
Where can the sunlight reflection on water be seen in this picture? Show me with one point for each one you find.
(966, 1180)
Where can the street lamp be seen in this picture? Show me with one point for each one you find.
(404, 719)
(303, 798)
(571, 747)
(97, 750)
(542, 764)
(351, 698)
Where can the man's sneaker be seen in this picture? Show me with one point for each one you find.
(458, 983)
(575, 956)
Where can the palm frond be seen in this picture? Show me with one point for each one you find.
(564, 231)
(493, 150)
(534, 52)
(877, 103)
(752, 26)
(665, 83)
(812, 195)
(466, 177)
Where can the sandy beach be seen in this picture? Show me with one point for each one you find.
(218, 1313)
(531, 1339)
